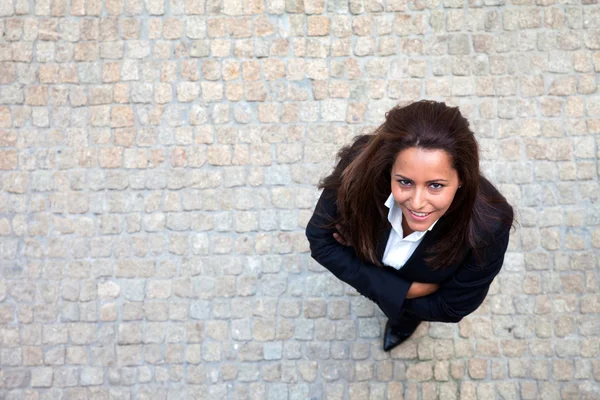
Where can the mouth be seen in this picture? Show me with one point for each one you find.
(419, 216)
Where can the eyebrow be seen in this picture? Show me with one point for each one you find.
(435, 180)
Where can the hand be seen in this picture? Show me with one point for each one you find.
(420, 289)
(340, 236)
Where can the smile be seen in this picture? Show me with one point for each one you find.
(419, 215)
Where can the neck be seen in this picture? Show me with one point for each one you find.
(405, 228)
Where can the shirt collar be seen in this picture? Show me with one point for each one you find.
(395, 217)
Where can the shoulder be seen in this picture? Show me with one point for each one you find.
(493, 215)
(500, 233)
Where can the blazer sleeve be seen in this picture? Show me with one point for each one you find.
(466, 289)
(378, 284)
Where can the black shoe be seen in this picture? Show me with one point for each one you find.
(393, 337)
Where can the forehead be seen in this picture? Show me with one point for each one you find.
(424, 164)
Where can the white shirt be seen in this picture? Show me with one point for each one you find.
(398, 249)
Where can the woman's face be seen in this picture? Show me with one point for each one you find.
(423, 185)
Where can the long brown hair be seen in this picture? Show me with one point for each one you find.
(362, 180)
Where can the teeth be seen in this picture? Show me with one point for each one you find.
(419, 214)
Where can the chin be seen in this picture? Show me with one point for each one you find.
(419, 227)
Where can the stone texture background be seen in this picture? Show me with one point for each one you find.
(159, 161)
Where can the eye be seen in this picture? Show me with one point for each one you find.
(404, 182)
(436, 186)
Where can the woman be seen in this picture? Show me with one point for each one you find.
(407, 219)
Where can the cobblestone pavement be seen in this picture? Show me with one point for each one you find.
(158, 162)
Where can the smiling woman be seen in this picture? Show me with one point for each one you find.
(424, 185)
(408, 220)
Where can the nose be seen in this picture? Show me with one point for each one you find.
(418, 199)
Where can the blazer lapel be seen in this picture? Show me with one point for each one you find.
(383, 238)
(415, 268)
(416, 255)
(416, 258)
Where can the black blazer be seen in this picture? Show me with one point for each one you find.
(463, 286)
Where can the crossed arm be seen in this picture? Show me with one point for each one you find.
(456, 297)
(417, 289)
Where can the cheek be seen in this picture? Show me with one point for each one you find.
(399, 196)
(444, 202)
